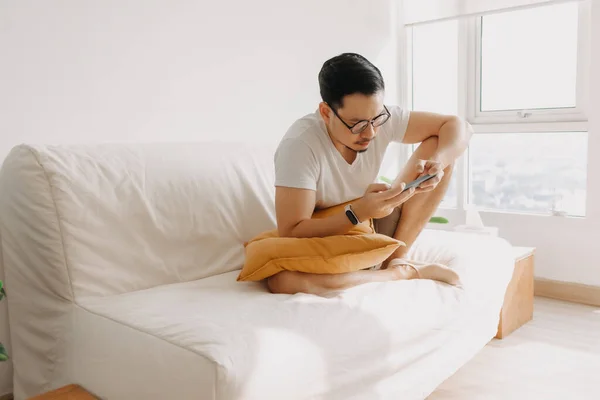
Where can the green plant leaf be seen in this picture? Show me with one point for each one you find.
(438, 220)
(386, 180)
(2, 292)
(3, 355)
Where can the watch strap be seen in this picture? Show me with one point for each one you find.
(351, 216)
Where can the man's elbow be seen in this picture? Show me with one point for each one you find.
(285, 232)
(289, 231)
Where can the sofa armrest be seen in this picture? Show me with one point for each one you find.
(37, 279)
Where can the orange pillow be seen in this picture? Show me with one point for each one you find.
(360, 248)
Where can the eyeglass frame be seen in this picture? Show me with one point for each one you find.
(386, 112)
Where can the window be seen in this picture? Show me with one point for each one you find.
(542, 173)
(520, 78)
(529, 59)
(435, 67)
(435, 78)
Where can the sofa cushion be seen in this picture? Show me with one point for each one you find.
(379, 340)
(268, 254)
(360, 248)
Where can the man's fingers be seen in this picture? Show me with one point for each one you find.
(433, 181)
(405, 196)
(377, 187)
(431, 184)
(400, 198)
(393, 192)
(435, 168)
(425, 189)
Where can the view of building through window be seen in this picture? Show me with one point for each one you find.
(529, 172)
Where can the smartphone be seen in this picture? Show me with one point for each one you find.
(417, 182)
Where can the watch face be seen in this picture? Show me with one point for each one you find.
(352, 217)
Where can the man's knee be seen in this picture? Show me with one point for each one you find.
(285, 282)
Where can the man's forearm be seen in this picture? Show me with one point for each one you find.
(453, 140)
(337, 224)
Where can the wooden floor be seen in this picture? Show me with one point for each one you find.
(555, 356)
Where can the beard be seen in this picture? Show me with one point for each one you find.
(356, 151)
(359, 143)
(363, 150)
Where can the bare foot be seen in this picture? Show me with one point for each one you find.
(402, 271)
(434, 271)
(291, 282)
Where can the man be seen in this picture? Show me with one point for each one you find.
(333, 156)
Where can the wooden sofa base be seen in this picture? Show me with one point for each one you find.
(518, 300)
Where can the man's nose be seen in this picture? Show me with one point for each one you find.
(368, 133)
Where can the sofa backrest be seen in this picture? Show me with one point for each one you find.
(106, 219)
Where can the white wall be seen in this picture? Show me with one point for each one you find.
(116, 70)
(173, 70)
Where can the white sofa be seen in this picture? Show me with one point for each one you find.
(121, 265)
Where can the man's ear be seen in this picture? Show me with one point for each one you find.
(325, 112)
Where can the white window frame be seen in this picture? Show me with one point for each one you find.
(527, 116)
(489, 122)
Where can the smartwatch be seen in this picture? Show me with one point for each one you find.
(351, 216)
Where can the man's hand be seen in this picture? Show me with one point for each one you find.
(380, 200)
(429, 167)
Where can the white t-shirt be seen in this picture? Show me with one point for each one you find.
(307, 159)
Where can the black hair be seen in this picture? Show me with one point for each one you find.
(348, 73)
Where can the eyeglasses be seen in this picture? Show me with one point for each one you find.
(360, 126)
